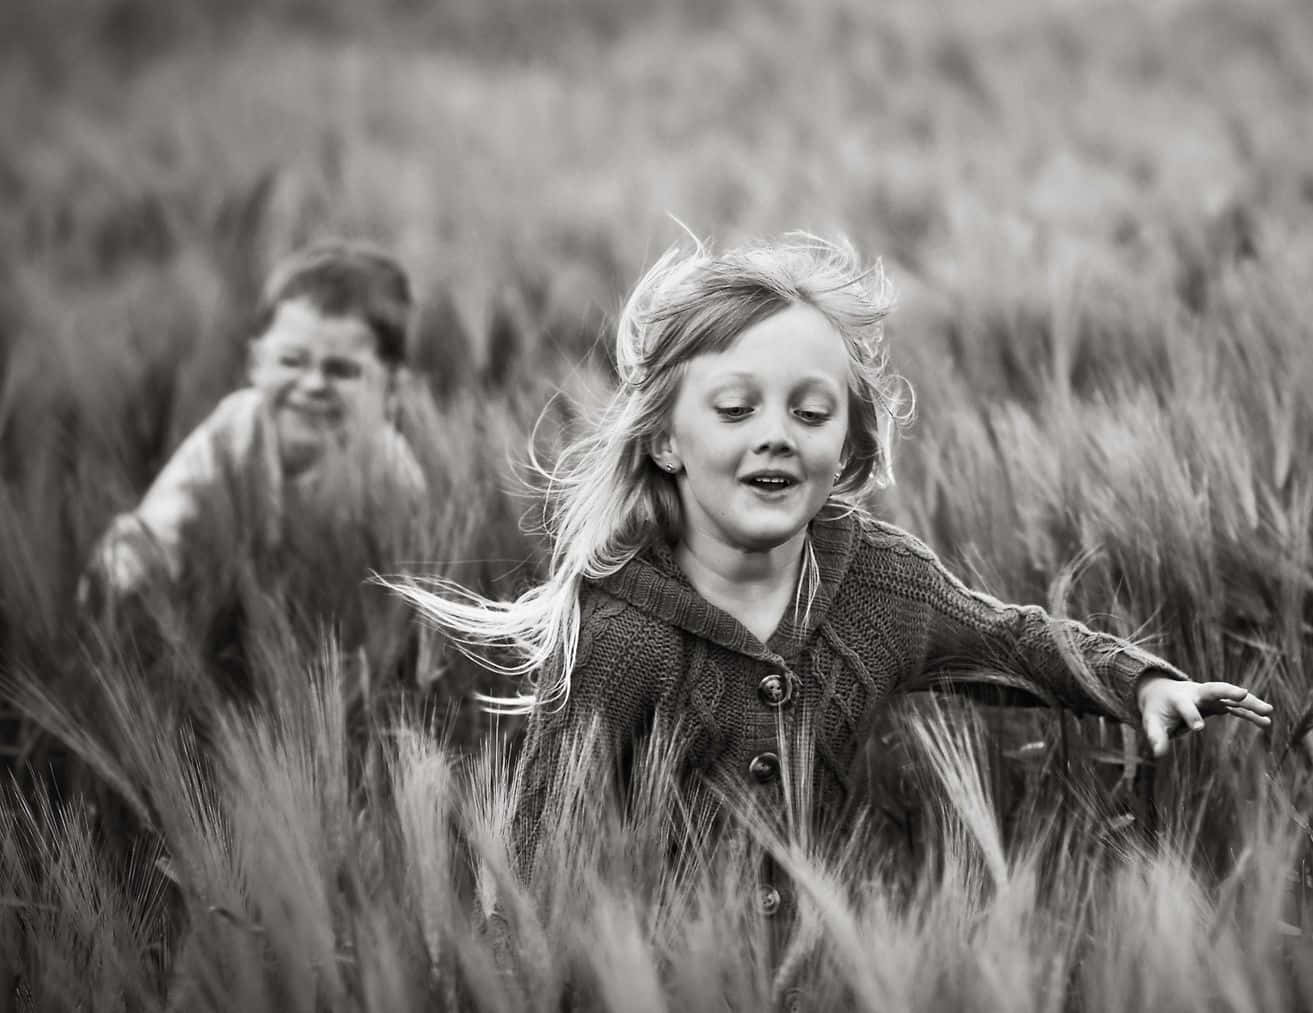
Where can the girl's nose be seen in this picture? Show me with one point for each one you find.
(776, 446)
(775, 437)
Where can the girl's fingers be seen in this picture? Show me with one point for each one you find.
(1220, 691)
(1156, 732)
(1189, 715)
(1184, 711)
(1236, 710)
(1214, 696)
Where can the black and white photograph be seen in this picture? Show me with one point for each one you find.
(656, 505)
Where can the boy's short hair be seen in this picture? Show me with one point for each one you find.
(345, 278)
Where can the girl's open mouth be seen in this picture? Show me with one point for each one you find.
(770, 483)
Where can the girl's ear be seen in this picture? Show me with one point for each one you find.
(664, 452)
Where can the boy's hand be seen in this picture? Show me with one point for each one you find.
(123, 563)
(1170, 707)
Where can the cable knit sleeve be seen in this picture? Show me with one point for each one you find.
(588, 732)
(974, 637)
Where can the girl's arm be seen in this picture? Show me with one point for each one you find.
(975, 636)
(560, 746)
(576, 746)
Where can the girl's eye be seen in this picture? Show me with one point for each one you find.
(290, 361)
(736, 411)
(812, 416)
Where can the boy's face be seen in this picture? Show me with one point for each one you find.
(321, 377)
(758, 431)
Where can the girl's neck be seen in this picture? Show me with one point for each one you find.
(754, 587)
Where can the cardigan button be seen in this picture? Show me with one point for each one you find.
(775, 690)
(764, 768)
(769, 900)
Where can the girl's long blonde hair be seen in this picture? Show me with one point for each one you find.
(606, 498)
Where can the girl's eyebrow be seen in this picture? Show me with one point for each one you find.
(816, 380)
(719, 383)
(807, 382)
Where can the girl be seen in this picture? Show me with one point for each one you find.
(712, 568)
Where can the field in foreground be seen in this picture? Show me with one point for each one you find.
(276, 878)
(1099, 222)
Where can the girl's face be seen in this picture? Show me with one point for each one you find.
(757, 431)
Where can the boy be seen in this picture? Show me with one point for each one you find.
(296, 485)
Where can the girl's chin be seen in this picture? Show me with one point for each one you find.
(762, 537)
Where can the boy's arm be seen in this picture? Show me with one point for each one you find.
(398, 495)
(407, 475)
(399, 535)
(151, 541)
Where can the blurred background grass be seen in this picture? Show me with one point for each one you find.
(1098, 216)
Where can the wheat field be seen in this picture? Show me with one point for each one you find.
(1099, 221)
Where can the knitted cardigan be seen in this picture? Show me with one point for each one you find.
(887, 617)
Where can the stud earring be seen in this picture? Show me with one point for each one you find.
(670, 468)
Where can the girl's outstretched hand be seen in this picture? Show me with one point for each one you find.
(1170, 707)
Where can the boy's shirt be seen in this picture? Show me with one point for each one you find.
(223, 510)
(227, 476)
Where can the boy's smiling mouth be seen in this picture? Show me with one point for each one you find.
(312, 411)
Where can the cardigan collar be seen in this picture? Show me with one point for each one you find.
(653, 583)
